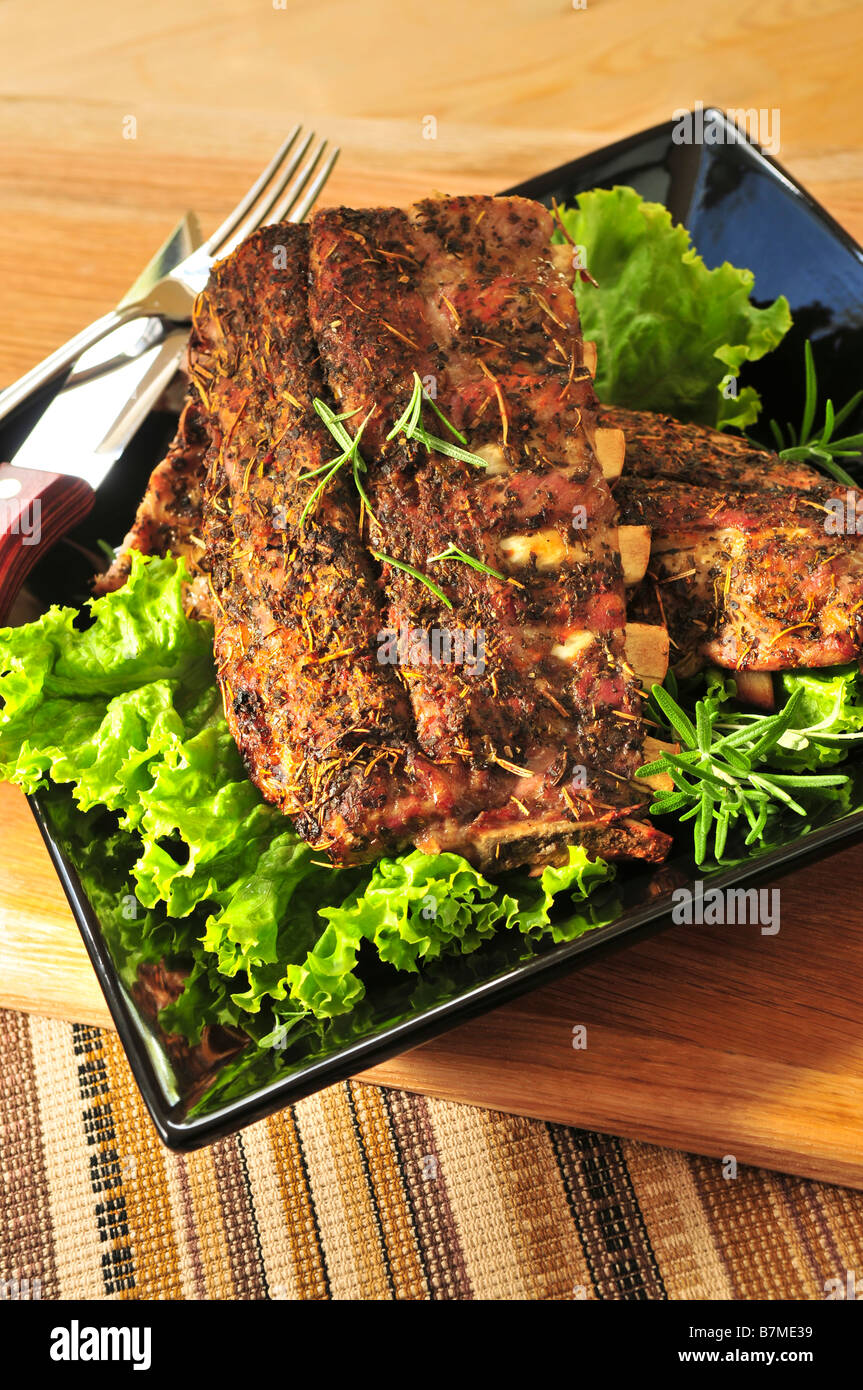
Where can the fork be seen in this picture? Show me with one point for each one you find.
(173, 296)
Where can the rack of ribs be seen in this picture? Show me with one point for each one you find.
(748, 567)
(534, 742)
(542, 741)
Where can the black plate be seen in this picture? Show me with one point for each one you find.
(739, 206)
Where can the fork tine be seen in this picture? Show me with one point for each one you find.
(259, 214)
(281, 211)
(307, 202)
(221, 234)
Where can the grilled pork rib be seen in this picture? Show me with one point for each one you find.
(324, 728)
(746, 566)
(542, 744)
(507, 759)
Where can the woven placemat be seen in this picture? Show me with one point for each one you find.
(361, 1192)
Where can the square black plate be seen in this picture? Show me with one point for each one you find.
(739, 206)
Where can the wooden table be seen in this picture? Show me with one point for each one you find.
(717, 1040)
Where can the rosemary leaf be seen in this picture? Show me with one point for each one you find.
(415, 574)
(453, 552)
(350, 450)
(720, 774)
(410, 425)
(819, 448)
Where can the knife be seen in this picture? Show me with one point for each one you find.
(50, 484)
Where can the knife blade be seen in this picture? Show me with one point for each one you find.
(87, 426)
(50, 485)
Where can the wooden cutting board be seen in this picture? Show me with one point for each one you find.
(714, 1039)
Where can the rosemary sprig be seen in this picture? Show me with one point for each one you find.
(350, 453)
(453, 552)
(820, 447)
(720, 778)
(416, 574)
(410, 425)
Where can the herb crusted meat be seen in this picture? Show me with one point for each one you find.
(338, 606)
(747, 565)
(534, 741)
(469, 295)
(323, 727)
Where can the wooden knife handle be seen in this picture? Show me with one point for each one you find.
(36, 509)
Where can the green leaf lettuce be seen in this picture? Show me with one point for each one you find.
(668, 331)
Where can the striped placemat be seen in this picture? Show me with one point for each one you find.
(360, 1192)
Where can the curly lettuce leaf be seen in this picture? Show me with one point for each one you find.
(129, 713)
(419, 906)
(91, 706)
(669, 332)
(828, 721)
